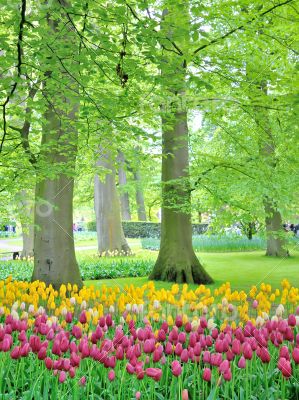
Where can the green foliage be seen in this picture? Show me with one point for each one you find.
(91, 268)
(215, 243)
(138, 229)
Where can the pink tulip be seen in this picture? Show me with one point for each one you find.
(111, 375)
(161, 335)
(76, 331)
(215, 333)
(41, 355)
(224, 366)
(176, 368)
(48, 363)
(62, 376)
(182, 337)
(155, 373)
(188, 327)
(178, 321)
(178, 349)
(130, 369)
(255, 304)
(185, 356)
(137, 395)
(15, 353)
(207, 374)
(197, 349)
(265, 355)
(242, 362)
(295, 355)
(82, 381)
(247, 351)
(185, 395)
(286, 369)
(206, 357)
(284, 353)
(72, 372)
(227, 375)
(292, 320)
(83, 318)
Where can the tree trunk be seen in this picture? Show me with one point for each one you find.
(54, 250)
(111, 238)
(176, 260)
(276, 243)
(139, 197)
(124, 195)
(27, 224)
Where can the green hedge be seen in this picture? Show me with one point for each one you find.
(91, 268)
(147, 229)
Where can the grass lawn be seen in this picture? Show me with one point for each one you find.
(241, 269)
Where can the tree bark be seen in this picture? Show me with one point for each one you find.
(27, 224)
(111, 238)
(54, 250)
(141, 212)
(276, 243)
(124, 195)
(176, 261)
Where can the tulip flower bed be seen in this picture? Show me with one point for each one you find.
(147, 343)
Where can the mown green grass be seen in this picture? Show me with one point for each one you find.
(242, 270)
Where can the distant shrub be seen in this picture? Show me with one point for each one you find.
(141, 229)
(215, 243)
(91, 268)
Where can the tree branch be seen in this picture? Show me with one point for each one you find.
(19, 70)
(229, 33)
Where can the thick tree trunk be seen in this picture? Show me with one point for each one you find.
(176, 260)
(124, 195)
(111, 238)
(54, 250)
(139, 197)
(276, 243)
(27, 224)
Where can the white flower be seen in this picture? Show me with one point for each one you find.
(211, 324)
(15, 315)
(274, 318)
(205, 310)
(64, 311)
(280, 310)
(195, 324)
(141, 306)
(23, 306)
(297, 320)
(41, 310)
(265, 316)
(73, 301)
(90, 310)
(156, 304)
(83, 305)
(1, 310)
(31, 309)
(122, 320)
(111, 309)
(24, 315)
(15, 305)
(224, 302)
(128, 307)
(135, 308)
(259, 321)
